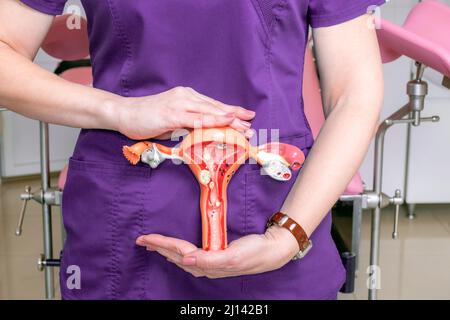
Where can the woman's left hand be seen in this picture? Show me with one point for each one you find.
(251, 254)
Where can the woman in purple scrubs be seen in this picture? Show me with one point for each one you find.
(164, 65)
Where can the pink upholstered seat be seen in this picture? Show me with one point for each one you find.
(64, 43)
(81, 75)
(314, 111)
(63, 177)
(424, 36)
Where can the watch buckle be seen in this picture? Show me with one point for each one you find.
(302, 253)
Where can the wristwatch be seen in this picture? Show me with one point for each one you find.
(284, 221)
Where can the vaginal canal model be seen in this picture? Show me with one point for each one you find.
(213, 156)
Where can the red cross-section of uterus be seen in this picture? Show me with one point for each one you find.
(214, 155)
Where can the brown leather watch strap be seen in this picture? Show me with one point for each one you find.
(283, 220)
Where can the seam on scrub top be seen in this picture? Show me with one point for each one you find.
(343, 15)
(148, 263)
(118, 26)
(143, 256)
(302, 103)
(246, 213)
(109, 168)
(346, 11)
(273, 115)
(277, 9)
(113, 267)
(268, 26)
(257, 7)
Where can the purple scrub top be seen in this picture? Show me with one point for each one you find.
(241, 52)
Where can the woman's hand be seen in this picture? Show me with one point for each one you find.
(160, 114)
(251, 254)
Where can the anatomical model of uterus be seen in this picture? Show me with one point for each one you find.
(214, 155)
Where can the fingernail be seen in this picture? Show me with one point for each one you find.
(251, 113)
(140, 241)
(189, 261)
(246, 124)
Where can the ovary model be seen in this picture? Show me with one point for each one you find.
(214, 155)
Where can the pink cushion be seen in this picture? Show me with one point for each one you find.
(356, 186)
(64, 43)
(82, 75)
(62, 177)
(423, 37)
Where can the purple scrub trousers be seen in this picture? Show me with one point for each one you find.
(241, 52)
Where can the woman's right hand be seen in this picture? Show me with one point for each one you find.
(158, 115)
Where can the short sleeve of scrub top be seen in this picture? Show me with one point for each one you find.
(321, 13)
(52, 7)
(327, 13)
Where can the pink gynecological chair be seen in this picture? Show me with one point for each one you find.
(423, 38)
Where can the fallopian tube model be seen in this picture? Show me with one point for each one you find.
(214, 155)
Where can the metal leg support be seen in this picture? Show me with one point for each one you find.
(411, 211)
(375, 199)
(357, 201)
(47, 197)
(356, 228)
(46, 210)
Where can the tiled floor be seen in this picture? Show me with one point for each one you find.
(416, 266)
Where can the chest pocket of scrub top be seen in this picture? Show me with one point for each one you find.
(103, 204)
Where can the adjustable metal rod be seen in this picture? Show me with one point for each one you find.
(420, 70)
(46, 209)
(25, 198)
(43, 263)
(397, 211)
(376, 213)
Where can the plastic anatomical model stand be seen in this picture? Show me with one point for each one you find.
(214, 155)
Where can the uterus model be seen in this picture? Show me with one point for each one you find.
(214, 155)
